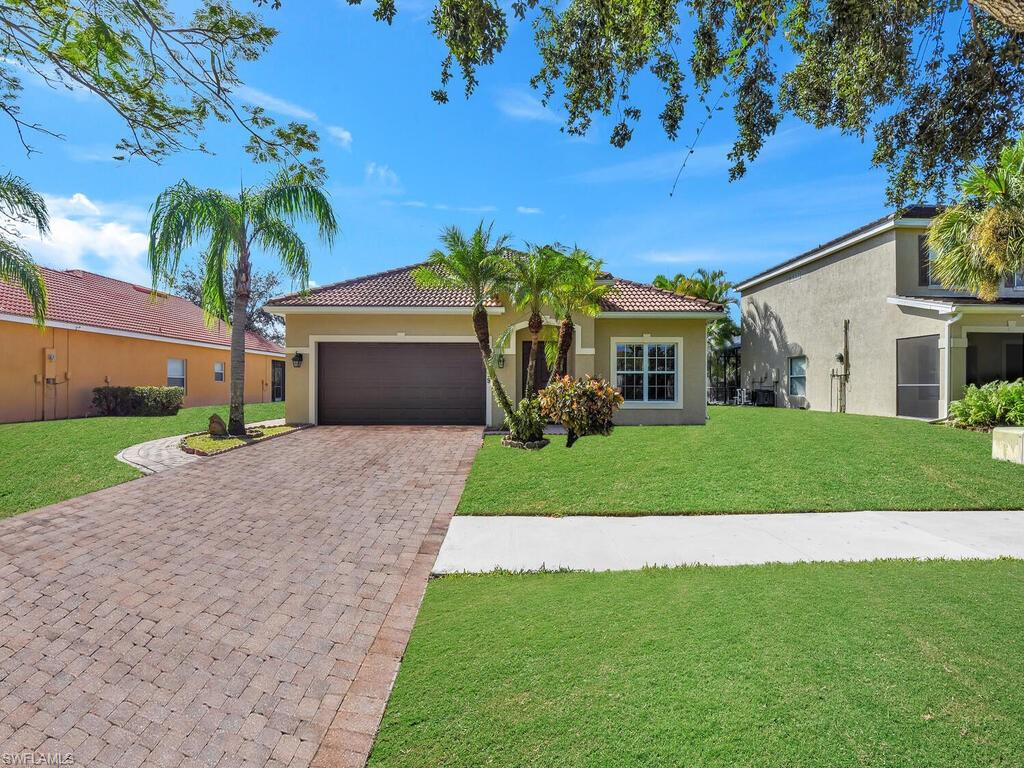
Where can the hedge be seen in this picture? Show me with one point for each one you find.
(137, 401)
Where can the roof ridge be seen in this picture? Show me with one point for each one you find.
(346, 281)
(666, 291)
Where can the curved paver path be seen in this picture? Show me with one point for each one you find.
(248, 609)
(165, 453)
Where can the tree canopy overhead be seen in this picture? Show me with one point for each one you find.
(937, 84)
(164, 74)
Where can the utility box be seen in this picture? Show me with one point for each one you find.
(1008, 444)
(50, 365)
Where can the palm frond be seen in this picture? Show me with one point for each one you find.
(180, 216)
(17, 267)
(21, 204)
(298, 201)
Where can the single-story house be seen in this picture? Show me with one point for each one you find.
(382, 350)
(860, 324)
(105, 331)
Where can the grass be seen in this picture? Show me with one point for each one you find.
(748, 460)
(894, 663)
(209, 445)
(42, 462)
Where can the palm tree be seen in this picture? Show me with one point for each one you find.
(475, 264)
(979, 242)
(709, 285)
(533, 276)
(257, 218)
(577, 292)
(21, 205)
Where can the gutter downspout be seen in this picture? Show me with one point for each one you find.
(949, 351)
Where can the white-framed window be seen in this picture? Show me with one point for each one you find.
(1015, 281)
(798, 376)
(647, 371)
(218, 371)
(175, 372)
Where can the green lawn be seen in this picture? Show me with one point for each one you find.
(748, 460)
(894, 663)
(42, 462)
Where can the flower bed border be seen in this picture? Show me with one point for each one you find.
(182, 444)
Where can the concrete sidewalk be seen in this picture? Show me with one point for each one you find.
(482, 544)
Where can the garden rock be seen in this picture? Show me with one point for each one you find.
(217, 427)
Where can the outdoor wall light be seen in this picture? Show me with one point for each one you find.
(501, 361)
(297, 360)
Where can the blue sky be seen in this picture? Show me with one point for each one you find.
(402, 167)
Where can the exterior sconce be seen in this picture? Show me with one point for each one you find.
(501, 360)
(297, 360)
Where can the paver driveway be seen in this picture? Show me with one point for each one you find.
(247, 609)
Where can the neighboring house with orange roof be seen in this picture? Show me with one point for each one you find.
(105, 331)
(382, 350)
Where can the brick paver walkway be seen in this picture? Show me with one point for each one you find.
(249, 609)
(165, 453)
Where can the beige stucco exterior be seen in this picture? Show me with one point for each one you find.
(590, 355)
(35, 388)
(801, 312)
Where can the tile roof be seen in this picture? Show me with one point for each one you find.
(393, 288)
(396, 288)
(85, 298)
(629, 296)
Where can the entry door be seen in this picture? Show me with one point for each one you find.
(917, 377)
(277, 380)
(541, 373)
(1013, 358)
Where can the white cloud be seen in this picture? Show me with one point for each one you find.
(95, 236)
(522, 105)
(273, 103)
(340, 136)
(527, 211)
(382, 177)
(414, 204)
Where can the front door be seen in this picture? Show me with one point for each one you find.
(276, 380)
(542, 372)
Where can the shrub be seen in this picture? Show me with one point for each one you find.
(525, 423)
(994, 404)
(583, 406)
(137, 401)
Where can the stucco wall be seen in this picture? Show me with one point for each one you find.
(86, 360)
(593, 335)
(693, 381)
(802, 313)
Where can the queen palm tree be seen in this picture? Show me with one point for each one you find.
(21, 205)
(475, 264)
(533, 276)
(260, 218)
(979, 242)
(578, 292)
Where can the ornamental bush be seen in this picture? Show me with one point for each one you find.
(995, 404)
(525, 424)
(583, 406)
(137, 401)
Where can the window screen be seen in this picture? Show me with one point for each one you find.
(175, 373)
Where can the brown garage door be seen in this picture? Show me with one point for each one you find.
(399, 383)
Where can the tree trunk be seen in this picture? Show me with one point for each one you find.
(1010, 13)
(483, 338)
(565, 338)
(236, 418)
(536, 326)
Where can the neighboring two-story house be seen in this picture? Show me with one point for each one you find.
(859, 324)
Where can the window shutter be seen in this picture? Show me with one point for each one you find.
(923, 262)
